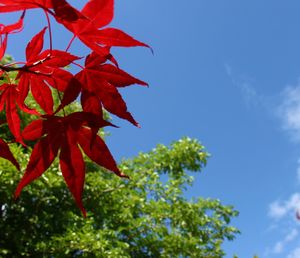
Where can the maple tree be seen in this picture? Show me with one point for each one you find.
(56, 133)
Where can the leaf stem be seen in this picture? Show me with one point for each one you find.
(70, 43)
(78, 65)
(50, 32)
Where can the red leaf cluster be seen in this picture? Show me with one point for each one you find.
(71, 135)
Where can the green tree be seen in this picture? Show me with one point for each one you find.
(146, 216)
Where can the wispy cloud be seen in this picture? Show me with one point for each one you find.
(295, 253)
(283, 214)
(280, 245)
(278, 210)
(284, 106)
(289, 110)
(298, 170)
(245, 85)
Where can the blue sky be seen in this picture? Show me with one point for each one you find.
(228, 74)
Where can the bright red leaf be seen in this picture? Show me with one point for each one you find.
(19, 5)
(95, 14)
(75, 134)
(98, 84)
(100, 13)
(7, 29)
(43, 69)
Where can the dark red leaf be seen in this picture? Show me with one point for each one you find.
(73, 167)
(71, 93)
(118, 77)
(64, 134)
(42, 156)
(12, 116)
(42, 94)
(90, 102)
(65, 12)
(3, 97)
(10, 98)
(113, 102)
(97, 151)
(34, 130)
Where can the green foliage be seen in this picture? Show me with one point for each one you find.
(146, 216)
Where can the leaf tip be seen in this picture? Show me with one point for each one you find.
(17, 193)
(124, 176)
(151, 49)
(83, 211)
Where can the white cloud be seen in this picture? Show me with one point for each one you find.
(289, 110)
(278, 210)
(295, 253)
(283, 212)
(285, 209)
(292, 235)
(280, 245)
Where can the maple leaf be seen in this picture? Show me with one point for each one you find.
(68, 137)
(20, 5)
(43, 69)
(7, 29)
(100, 13)
(9, 98)
(95, 14)
(98, 83)
(6, 154)
(65, 12)
(62, 136)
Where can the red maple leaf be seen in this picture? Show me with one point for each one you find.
(62, 136)
(7, 29)
(98, 83)
(19, 5)
(95, 14)
(100, 13)
(43, 69)
(10, 98)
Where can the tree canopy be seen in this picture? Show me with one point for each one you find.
(146, 216)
